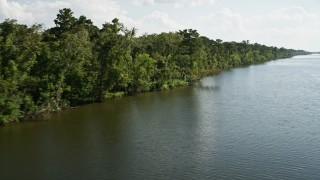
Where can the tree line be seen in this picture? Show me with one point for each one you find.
(76, 62)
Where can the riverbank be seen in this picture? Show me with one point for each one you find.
(113, 95)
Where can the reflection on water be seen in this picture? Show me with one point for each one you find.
(259, 122)
(207, 86)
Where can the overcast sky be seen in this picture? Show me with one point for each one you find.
(283, 23)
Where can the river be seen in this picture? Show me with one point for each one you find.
(256, 122)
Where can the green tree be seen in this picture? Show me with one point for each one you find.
(114, 58)
(143, 72)
(19, 48)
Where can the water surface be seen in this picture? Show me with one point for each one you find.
(258, 122)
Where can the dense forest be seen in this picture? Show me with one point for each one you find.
(75, 62)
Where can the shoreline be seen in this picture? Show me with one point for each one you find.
(41, 116)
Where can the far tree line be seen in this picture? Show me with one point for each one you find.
(76, 62)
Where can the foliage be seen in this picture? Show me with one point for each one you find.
(76, 62)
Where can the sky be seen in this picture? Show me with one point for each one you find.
(283, 23)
